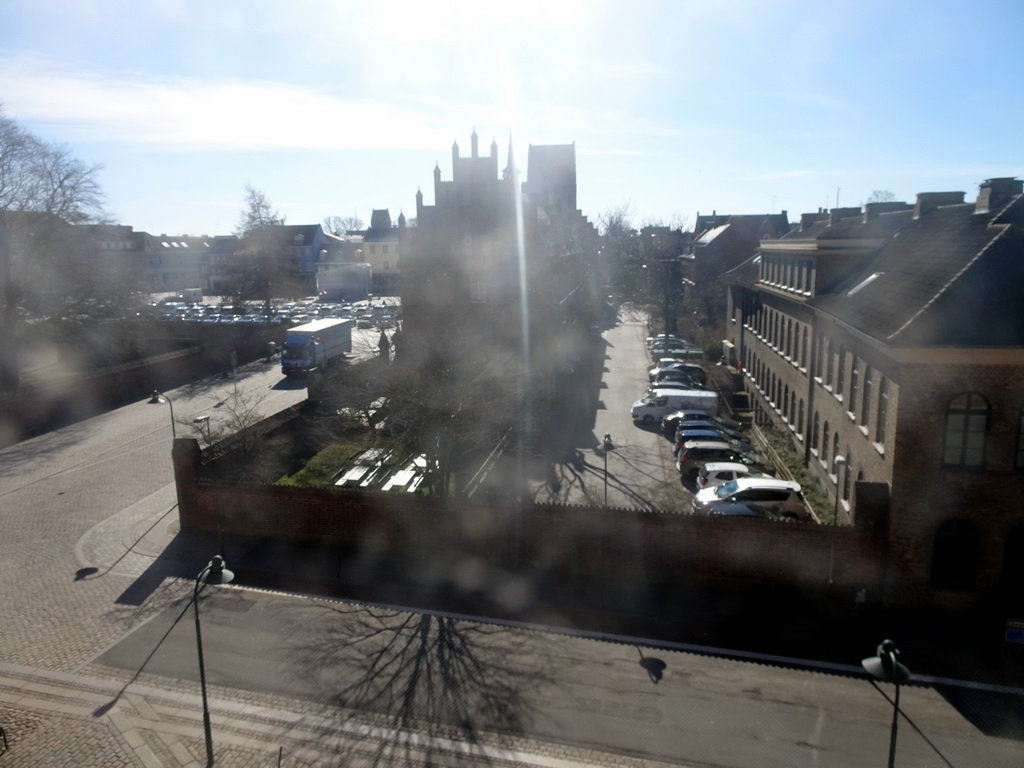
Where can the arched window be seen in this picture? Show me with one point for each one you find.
(828, 365)
(955, 554)
(814, 431)
(865, 408)
(883, 411)
(825, 434)
(835, 455)
(848, 477)
(966, 425)
(840, 370)
(803, 350)
(800, 419)
(854, 385)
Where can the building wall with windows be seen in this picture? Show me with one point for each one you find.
(889, 337)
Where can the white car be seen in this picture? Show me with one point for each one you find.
(716, 473)
(781, 496)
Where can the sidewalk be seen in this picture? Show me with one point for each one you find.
(58, 719)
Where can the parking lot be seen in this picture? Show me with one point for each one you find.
(641, 473)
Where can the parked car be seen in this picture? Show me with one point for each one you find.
(672, 364)
(707, 434)
(747, 509)
(685, 385)
(670, 374)
(665, 337)
(696, 453)
(690, 425)
(716, 473)
(781, 496)
(689, 435)
(670, 422)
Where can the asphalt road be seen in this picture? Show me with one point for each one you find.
(671, 706)
(641, 472)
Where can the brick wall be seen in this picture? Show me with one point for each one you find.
(620, 546)
(926, 493)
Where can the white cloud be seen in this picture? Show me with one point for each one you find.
(195, 114)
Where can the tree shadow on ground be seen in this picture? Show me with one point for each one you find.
(433, 687)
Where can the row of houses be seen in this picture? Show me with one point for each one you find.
(888, 343)
(348, 266)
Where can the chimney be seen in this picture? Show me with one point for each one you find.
(994, 193)
(842, 213)
(809, 219)
(929, 201)
(871, 210)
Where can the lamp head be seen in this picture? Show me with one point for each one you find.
(884, 666)
(217, 573)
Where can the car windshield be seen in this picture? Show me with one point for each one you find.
(727, 489)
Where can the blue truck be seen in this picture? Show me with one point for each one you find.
(314, 345)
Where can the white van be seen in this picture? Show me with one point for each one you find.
(661, 401)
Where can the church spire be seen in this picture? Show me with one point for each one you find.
(510, 171)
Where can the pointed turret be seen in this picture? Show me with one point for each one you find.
(510, 171)
(474, 147)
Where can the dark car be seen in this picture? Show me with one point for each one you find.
(671, 374)
(670, 422)
(689, 435)
(690, 425)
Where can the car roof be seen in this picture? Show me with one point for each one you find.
(708, 444)
(767, 482)
(724, 466)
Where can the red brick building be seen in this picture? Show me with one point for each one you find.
(889, 343)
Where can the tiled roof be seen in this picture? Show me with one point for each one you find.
(905, 294)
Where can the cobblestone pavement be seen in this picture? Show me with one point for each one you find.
(90, 552)
(65, 719)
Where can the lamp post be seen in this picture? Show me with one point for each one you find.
(607, 447)
(158, 397)
(837, 461)
(201, 420)
(885, 667)
(213, 573)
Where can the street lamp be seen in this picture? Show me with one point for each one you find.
(201, 420)
(885, 667)
(607, 447)
(838, 461)
(213, 573)
(158, 397)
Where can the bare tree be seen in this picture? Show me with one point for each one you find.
(44, 190)
(266, 266)
(342, 225)
(881, 196)
(258, 214)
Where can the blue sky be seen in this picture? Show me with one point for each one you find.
(675, 107)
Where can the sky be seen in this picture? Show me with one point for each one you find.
(336, 107)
